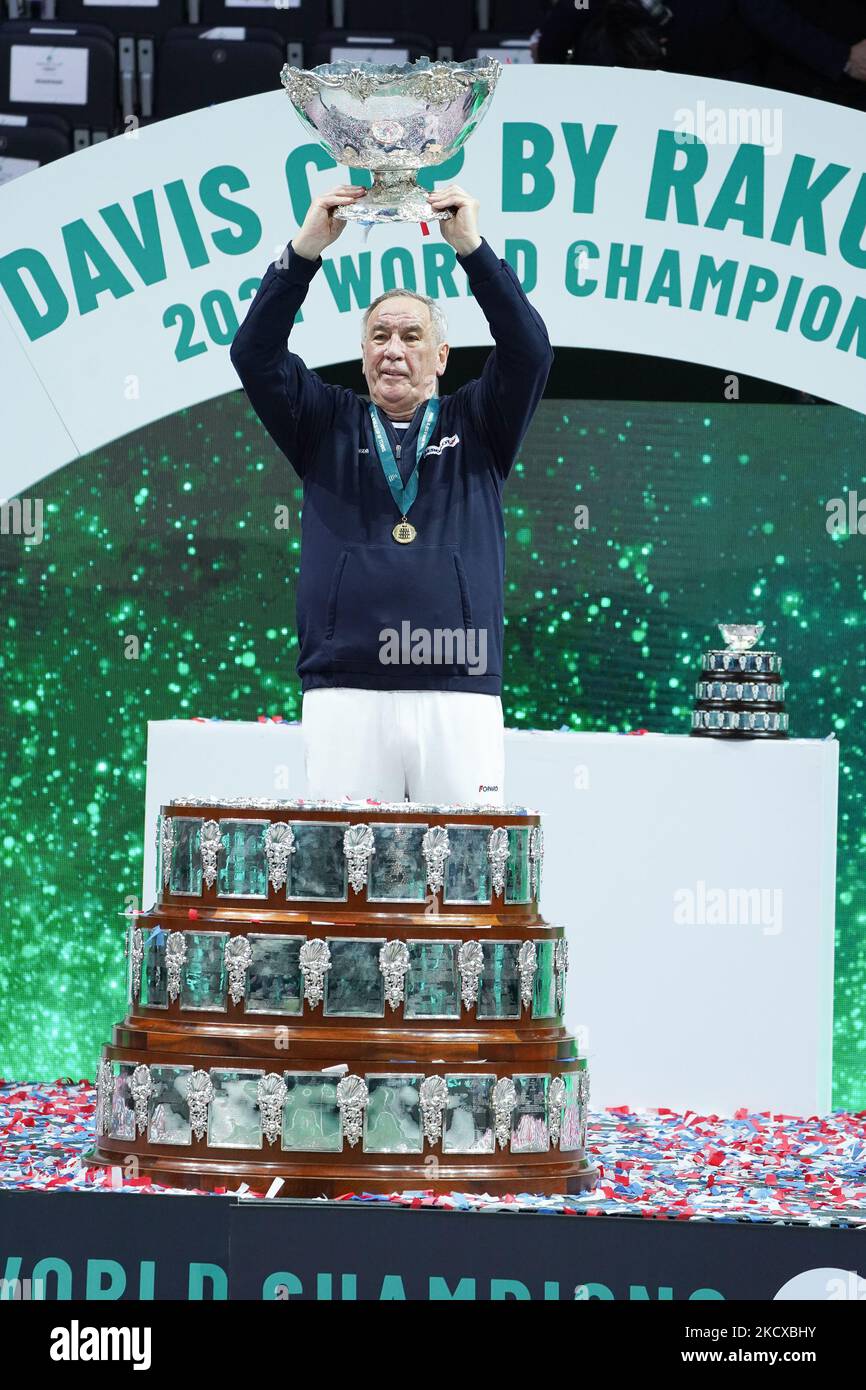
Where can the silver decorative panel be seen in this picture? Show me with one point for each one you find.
(517, 885)
(185, 868)
(397, 869)
(354, 986)
(499, 989)
(243, 868)
(153, 993)
(392, 1118)
(273, 983)
(469, 1120)
(433, 980)
(529, 1131)
(467, 868)
(168, 1121)
(121, 1123)
(318, 868)
(234, 1119)
(203, 979)
(311, 1115)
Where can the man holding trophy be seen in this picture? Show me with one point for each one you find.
(400, 598)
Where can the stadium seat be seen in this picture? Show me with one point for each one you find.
(448, 22)
(508, 48)
(514, 16)
(141, 17)
(28, 142)
(200, 67)
(299, 22)
(79, 84)
(136, 26)
(341, 45)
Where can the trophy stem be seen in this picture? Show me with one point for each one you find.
(395, 196)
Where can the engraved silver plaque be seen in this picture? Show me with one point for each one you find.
(392, 1115)
(169, 1112)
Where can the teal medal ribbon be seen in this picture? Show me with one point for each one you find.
(404, 495)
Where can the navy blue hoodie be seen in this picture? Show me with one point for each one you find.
(356, 581)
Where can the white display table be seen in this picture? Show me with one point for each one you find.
(697, 880)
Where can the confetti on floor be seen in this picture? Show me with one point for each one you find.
(654, 1163)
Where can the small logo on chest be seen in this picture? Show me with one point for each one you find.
(448, 442)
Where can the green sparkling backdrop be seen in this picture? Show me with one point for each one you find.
(168, 537)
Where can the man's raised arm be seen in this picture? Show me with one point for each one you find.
(292, 402)
(504, 398)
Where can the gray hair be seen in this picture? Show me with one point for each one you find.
(437, 315)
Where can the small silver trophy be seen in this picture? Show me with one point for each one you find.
(740, 693)
(393, 119)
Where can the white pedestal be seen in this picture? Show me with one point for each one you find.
(732, 1006)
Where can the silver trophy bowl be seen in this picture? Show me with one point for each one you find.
(393, 119)
(740, 637)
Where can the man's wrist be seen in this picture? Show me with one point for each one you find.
(466, 248)
(306, 253)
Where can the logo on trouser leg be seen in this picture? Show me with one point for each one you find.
(484, 788)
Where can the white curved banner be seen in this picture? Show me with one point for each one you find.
(646, 211)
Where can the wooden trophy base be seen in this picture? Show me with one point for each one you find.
(543, 1174)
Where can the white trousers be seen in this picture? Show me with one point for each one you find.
(439, 746)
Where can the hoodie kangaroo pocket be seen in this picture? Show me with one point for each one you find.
(415, 596)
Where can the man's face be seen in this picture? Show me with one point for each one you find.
(400, 355)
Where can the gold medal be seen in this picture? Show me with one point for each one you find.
(404, 532)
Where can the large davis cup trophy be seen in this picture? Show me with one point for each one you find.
(393, 119)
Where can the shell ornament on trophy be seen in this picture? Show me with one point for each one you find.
(393, 119)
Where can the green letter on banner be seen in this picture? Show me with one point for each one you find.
(350, 279)
(802, 202)
(667, 178)
(142, 246)
(517, 162)
(215, 1275)
(34, 322)
(746, 173)
(249, 227)
(83, 250)
(529, 251)
(586, 163)
(393, 257)
(296, 176)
